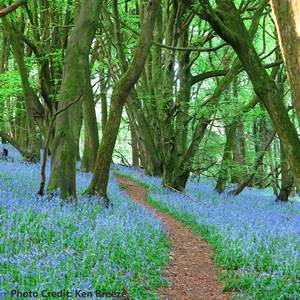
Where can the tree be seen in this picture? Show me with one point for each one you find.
(120, 93)
(229, 25)
(75, 81)
(188, 90)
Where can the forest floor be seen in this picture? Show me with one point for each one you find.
(254, 239)
(49, 245)
(191, 271)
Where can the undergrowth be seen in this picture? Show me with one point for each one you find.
(47, 245)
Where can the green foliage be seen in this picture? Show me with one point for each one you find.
(10, 95)
(10, 85)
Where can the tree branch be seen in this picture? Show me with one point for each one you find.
(205, 75)
(12, 7)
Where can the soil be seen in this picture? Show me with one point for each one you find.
(191, 272)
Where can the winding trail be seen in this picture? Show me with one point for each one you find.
(191, 271)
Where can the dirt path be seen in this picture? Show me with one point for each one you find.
(190, 270)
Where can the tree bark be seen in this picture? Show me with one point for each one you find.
(260, 135)
(4, 54)
(74, 83)
(287, 19)
(177, 172)
(152, 161)
(134, 147)
(103, 98)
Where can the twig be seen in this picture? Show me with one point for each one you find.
(123, 158)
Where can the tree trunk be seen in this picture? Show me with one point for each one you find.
(199, 131)
(224, 175)
(260, 135)
(287, 19)
(175, 173)
(134, 147)
(103, 99)
(33, 107)
(151, 155)
(91, 137)
(4, 54)
(121, 91)
(287, 180)
(239, 145)
(74, 83)
(11, 7)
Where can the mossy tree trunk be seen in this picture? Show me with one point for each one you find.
(91, 137)
(74, 84)
(4, 54)
(260, 132)
(120, 93)
(138, 115)
(103, 98)
(175, 174)
(178, 155)
(239, 144)
(287, 19)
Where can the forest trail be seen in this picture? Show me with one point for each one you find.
(191, 271)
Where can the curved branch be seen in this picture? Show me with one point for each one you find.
(8, 9)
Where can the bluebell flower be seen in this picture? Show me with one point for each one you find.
(44, 245)
(255, 233)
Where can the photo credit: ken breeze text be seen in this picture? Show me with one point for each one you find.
(68, 294)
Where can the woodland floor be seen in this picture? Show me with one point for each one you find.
(191, 271)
